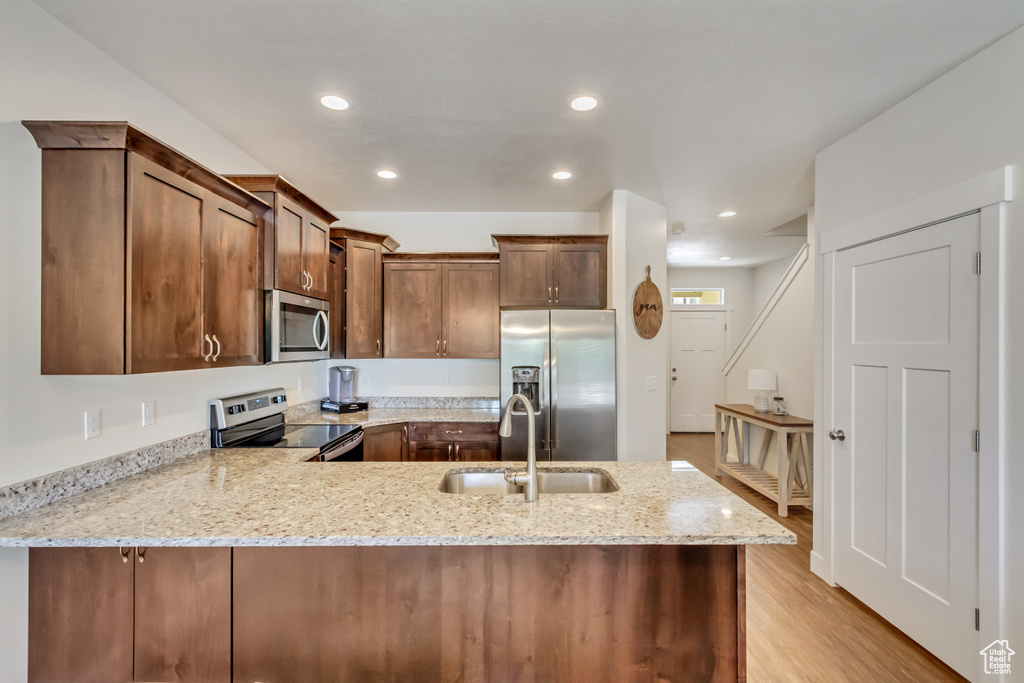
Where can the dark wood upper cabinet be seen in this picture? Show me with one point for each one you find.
(553, 271)
(364, 291)
(336, 298)
(443, 309)
(147, 614)
(151, 261)
(412, 310)
(296, 241)
(471, 319)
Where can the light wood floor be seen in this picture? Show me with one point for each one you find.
(799, 628)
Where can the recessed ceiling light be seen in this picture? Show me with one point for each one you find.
(583, 103)
(726, 214)
(390, 175)
(334, 102)
(561, 175)
(725, 258)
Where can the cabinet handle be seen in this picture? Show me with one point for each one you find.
(444, 348)
(378, 347)
(437, 347)
(549, 295)
(556, 294)
(449, 451)
(453, 431)
(141, 552)
(457, 452)
(125, 552)
(405, 432)
(217, 355)
(206, 356)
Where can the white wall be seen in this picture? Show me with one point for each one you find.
(637, 238)
(465, 230)
(765, 279)
(13, 615)
(966, 123)
(739, 286)
(447, 231)
(51, 73)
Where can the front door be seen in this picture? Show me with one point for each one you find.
(698, 354)
(906, 399)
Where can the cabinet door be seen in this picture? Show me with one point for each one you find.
(314, 257)
(165, 234)
(363, 292)
(412, 310)
(580, 276)
(232, 295)
(431, 451)
(471, 321)
(336, 298)
(476, 451)
(387, 443)
(183, 614)
(79, 615)
(288, 228)
(526, 275)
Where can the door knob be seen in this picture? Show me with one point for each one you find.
(837, 435)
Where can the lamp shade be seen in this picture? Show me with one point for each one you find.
(761, 380)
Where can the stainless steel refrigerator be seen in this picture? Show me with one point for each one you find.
(564, 361)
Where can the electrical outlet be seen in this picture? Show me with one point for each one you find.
(651, 383)
(299, 384)
(447, 380)
(148, 413)
(93, 425)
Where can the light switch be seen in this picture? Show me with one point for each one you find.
(651, 384)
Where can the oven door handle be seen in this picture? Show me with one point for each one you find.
(342, 448)
(321, 344)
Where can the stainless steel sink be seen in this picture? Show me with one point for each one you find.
(478, 481)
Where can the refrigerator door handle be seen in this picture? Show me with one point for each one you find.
(554, 398)
(545, 384)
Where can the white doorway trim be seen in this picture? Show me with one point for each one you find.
(987, 193)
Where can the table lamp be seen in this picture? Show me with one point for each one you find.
(761, 381)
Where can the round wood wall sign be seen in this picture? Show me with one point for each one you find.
(647, 308)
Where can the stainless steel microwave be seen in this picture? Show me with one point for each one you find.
(295, 328)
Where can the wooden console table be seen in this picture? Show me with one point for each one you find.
(794, 463)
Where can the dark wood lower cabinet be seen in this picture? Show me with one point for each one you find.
(453, 441)
(162, 615)
(386, 443)
(491, 613)
(80, 615)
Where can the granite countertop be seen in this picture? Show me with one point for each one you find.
(237, 497)
(375, 417)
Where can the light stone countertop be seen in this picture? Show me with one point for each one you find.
(245, 497)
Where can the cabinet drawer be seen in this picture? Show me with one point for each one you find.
(453, 431)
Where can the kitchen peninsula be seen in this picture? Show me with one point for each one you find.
(256, 565)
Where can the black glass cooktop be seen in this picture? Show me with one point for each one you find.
(299, 436)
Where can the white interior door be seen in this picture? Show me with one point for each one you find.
(906, 398)
(698, 354)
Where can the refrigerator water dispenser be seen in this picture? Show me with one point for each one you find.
(526, 381)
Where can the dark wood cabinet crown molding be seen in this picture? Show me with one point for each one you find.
(386, 242)
(444, 257)
(281, 185)
(123, 135)
(497, 240)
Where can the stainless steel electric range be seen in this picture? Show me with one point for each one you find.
(256, 420)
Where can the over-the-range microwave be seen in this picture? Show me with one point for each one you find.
(295, 327)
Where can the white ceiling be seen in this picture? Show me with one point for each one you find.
(707, 105)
